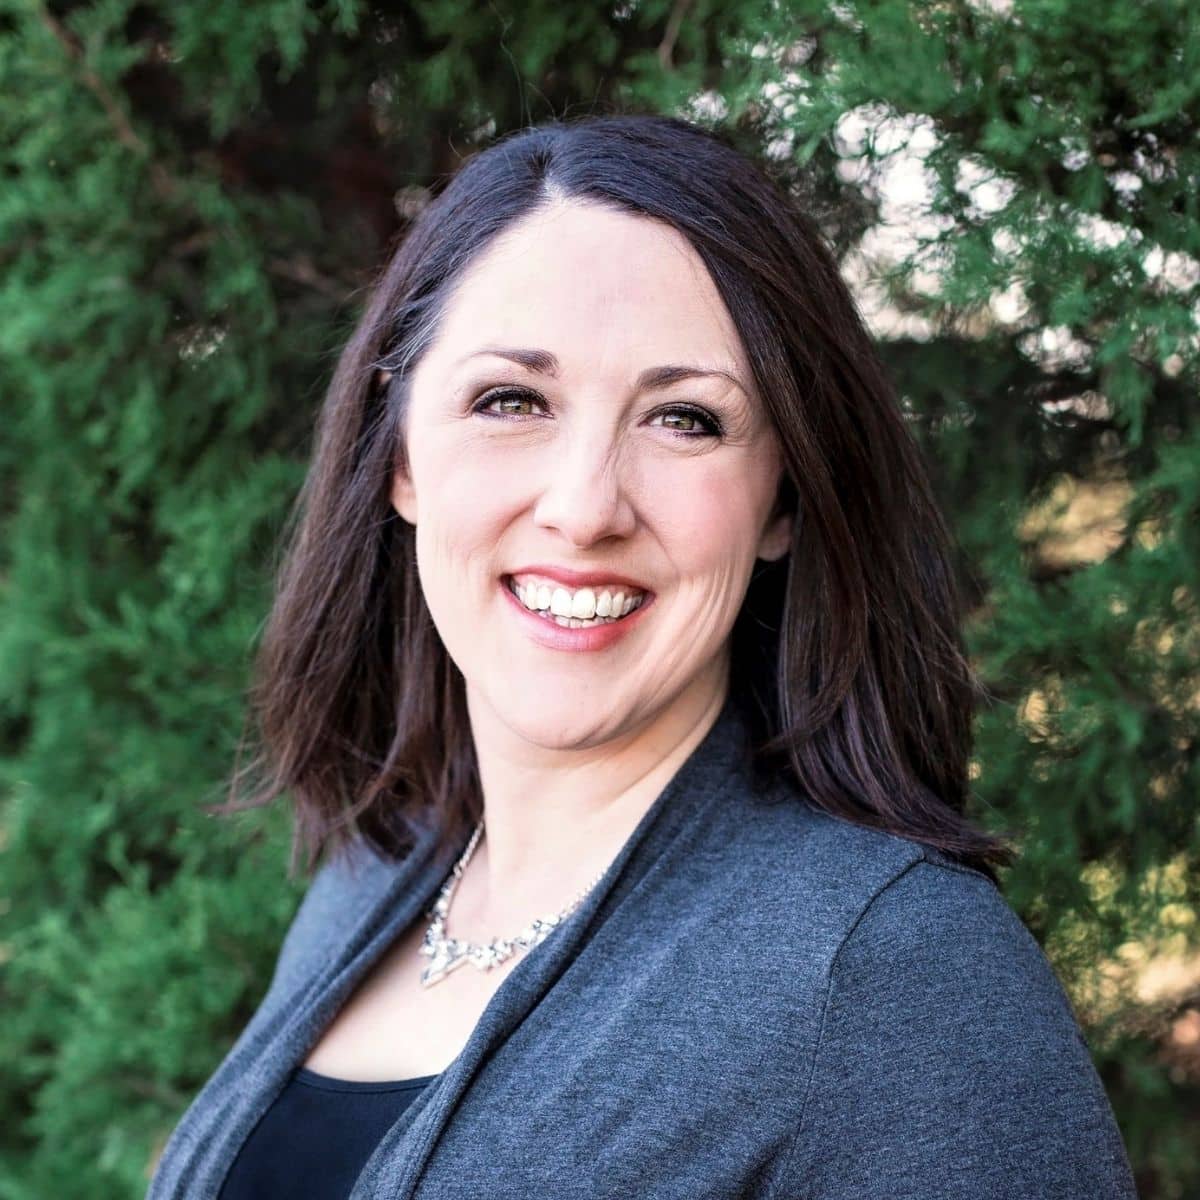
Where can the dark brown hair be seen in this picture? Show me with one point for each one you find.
(847, 656)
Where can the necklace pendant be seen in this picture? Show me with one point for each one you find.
(446, 956)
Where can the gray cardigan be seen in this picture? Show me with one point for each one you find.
(757, 1000)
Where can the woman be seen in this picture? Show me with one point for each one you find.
(616, 667)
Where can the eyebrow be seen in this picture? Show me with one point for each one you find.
(544, 363)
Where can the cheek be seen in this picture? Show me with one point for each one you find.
(466, 494)
(466, 501)
(707, 516)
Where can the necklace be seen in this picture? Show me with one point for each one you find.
(448, 953)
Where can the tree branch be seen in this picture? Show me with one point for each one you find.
(163, 184)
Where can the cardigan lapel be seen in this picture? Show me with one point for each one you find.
(395, 1168)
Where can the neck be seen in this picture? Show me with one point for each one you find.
(555, 818)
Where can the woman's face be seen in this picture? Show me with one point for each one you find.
(584, 425)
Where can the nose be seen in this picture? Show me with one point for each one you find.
(583, 496)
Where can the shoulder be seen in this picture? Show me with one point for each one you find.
(877, 916)
(344, 887)
(949, 1054)
(858, 910)
(935, 914)
(887, 910)
(826, 872)
(940, 940)
(945, 1052)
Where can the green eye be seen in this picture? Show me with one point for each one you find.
(696, 422)
(508, 398)
(681, 417)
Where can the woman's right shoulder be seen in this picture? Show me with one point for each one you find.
(345, 886)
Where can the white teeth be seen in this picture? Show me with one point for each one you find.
(583, 604)
(583, 607)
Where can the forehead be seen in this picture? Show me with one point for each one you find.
(591, 283)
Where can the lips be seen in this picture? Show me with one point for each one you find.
(575, 579)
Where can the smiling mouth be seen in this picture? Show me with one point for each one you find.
(579, 608)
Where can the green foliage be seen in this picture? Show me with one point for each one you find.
(195, 197)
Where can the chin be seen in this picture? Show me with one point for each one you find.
(562, 734)
(551, 726)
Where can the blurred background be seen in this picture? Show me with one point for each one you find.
(193, 200)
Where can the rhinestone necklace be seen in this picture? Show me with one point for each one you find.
(448, 953)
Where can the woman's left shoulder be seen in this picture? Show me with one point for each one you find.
(950, 1055)
(890, 915)
(939, 931)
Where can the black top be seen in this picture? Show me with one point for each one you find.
(316, 1137)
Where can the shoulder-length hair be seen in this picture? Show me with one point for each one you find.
(847, 654)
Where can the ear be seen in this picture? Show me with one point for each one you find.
(404, 495)
(777, 537)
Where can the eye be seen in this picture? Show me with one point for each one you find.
(695, 422)
(509, 397)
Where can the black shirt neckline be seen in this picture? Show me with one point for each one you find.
(327, 1083)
